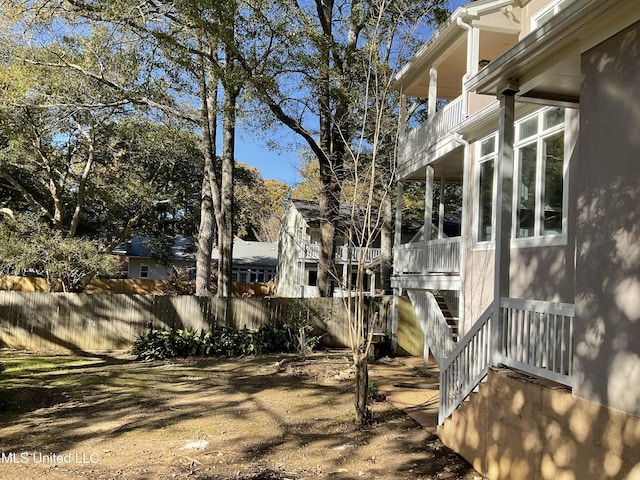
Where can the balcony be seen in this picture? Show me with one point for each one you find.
(312, 252)
(433, 256)
(426, 135)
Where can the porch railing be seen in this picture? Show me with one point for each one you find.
(312, 252)
(430, 131)
(535, 337)
(432, 256)
(437, 332)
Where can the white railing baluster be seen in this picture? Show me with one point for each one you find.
(537, 338)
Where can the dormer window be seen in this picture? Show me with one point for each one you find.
(545, 14)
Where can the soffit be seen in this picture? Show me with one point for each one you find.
(546, 63)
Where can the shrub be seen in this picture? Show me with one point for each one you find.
(224, 341)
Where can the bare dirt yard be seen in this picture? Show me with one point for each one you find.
(259, 418)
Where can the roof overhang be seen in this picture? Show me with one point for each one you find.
(545, 65)
(447, 41)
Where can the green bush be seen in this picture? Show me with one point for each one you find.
(224, 341)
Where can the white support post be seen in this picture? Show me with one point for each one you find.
(397, 238)
(504, 207)
(441, 209)
(428, 203)
(433, 92)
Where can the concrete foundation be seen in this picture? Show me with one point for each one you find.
(518, 427)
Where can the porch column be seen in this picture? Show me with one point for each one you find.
(441, 209)
(397, 241)
(433, 92)
(428, 203)
(504, 207)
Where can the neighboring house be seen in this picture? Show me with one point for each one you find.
(141, 263)
(541, 128)
(299, 249)
(252, 261)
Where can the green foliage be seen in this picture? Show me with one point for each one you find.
(28, 246)
(299, 321)
(221, 341)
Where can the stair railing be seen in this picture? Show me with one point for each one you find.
(536, 337)
(437, 331)
(465, 367)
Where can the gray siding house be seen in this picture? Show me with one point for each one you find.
(541, 127)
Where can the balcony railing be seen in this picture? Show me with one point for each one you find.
(433, 256)
(312, 252)
(429, 132)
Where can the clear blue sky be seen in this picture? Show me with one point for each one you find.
(280, 165)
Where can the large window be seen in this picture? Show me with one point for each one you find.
(539, 208)
(539, 151)
(486, 188)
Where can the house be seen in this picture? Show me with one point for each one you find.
(252, 261)
(140, 259)
(533, 313)
(299, 251)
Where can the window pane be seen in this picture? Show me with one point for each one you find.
(553, 183)
(485, 211)
(528, 128)
(553, 117)
(526, 192)
(488, 146)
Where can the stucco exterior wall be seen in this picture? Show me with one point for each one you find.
(607, 332)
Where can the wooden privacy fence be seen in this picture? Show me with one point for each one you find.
(82, 322)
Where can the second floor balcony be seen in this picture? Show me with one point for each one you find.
(427, 257)
(344, 254)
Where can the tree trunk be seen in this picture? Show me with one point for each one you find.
(363, 414)
(205, 241)
(225, 219)
(210, 196)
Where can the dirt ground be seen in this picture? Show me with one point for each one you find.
(272, 417)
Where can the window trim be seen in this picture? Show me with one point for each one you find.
(143, 266)
(554, 6)
(538, 239)
(476, 243)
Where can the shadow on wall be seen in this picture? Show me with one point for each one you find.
(517, 428)
(607, 337)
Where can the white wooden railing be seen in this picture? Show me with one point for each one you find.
(466, 366)
(536, 337)
(437, 332)
(312, 252)
(430, 131)
(533, 336)
(432, 256)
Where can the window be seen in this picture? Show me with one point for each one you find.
(486, 187)
(547, 13)
(144, 271)
(539, 196)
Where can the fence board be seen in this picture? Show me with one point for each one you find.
(82, 322)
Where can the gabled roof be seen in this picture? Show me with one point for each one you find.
(252, 253)
(244, 252)
(140, 246)
(310, 211)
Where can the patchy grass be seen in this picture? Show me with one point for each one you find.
(269, 417)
